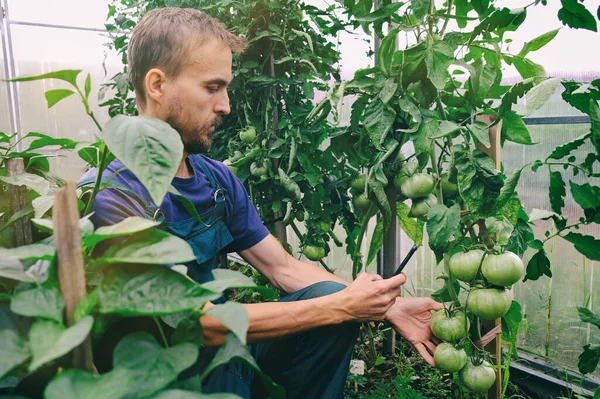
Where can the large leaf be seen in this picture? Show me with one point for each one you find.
(514, 129)
(79, 384)
(54, 96)
(483, 76)
(511, 97)
(557, 192)
(587, 316)
(150, 247)
(234, 350)
(442, 225)
(386, 51)
(376, 242)
(538, 42)
(527, 68)
(565, 150)
(39, 302)
(388, 91)
(438, 59)
(32, 251)
(538, 265)
(13, 269)
(444, 128)
(575, 15)
(42, 204)
(68, 75)
(151, 366)
(420, 8)
(502, 228)
(13, 347)
(181, 394)
(149, 147)
(511, 322)
(149, 290)
(499, 19)
(510, 185)
(128, 226)
(49, 340)
(43, 140)
(540, 94)
(595, 119)
(589, 358)
(481, 132)
(413, 228)
(586, 195)
(378, 120)
(520, 238)
(587, 245)
(34, 182)
(382, 12)
(233, 316)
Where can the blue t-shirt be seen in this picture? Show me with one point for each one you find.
(241, 218)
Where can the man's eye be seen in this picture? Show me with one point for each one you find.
(213, 89)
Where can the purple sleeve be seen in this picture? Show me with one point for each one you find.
(243, 221)
(112, 206)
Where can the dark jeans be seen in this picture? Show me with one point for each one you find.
(312, 364)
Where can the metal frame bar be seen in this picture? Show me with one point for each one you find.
(55, 26)
(557, 120)
(10, 71)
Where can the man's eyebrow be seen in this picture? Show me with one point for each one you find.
(217, 81)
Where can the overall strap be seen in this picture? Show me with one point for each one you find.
(219, 192)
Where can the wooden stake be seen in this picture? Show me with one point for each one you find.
(493, 347)
(18, 201)
(71, 271)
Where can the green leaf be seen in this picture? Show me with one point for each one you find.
(499, 19)
(54, 96)
(564, 150)
(49, 340)
(482, 79)
(445, 128)
(480, 131)
(510, 185)
(576, 16)
(86, 306)
(520, 238)
(187, 328)
(587, 316)
(150, 247)
(234, 350)
(511, 322)
(34, 182)
(42, 204)
(595, 119)
(376, 241)
(513, 94)
(39, 302)
(587, 245)
(225, 279)
(413, 228)
(88, 86)
(502, 227)
(420, 8)
(442, 225)
(588, 360)
(540, 214)
(538, 42)
(149, 290)
(386, 52)
(233, 316)
(538, 265)
(383, 12)
(44, 140)
(151, 366)
(388, 91)
(181, 394)
(127, 226)
(12, 346)
(527, 68)
(149, 147)
(557, 192)
(586, 195)
(443, 295)
(33, 251)
(78, 384)
(438, 59)
(13, 269)
(378, 120)
(514, 129)
(68, 75)
(540, 94)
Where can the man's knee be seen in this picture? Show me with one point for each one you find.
(322, 288)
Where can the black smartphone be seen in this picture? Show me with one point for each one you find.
(404, 262)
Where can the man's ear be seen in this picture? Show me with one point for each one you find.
(154, 85)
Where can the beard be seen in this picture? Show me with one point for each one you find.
(196, 137)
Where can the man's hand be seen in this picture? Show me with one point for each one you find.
(410, 317)
(369, 297)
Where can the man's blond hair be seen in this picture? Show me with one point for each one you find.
(163, 39)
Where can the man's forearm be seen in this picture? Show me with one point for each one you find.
(277, 319)
(298, 275)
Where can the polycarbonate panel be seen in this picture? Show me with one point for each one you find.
(4, 101)
(42, 50)
(80, 13)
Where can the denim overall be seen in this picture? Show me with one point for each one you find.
(313, 364)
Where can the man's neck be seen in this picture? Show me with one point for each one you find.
(184, 171)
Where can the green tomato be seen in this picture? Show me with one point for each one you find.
(313, 252)
(300, 216)
(504, 269)
(420, 207)
(358, 184)
(407, 170)
(323, 226)
(449, 189)
(448, 358)
(465, 265)
(258, 171)
(362, 202)
(418, 185)
(489, 303)
(449, 328)
(248, 135)
(229, 165)
(478, 378)
(237, 155)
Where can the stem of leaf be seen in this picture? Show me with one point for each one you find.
(448, 282)
(99, 172)
(434, 166)
(160, 330)
(450, 4)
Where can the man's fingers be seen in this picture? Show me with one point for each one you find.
(434, 305)
(424, 354)
(436, 340)
(396, 281)
(430, 346)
